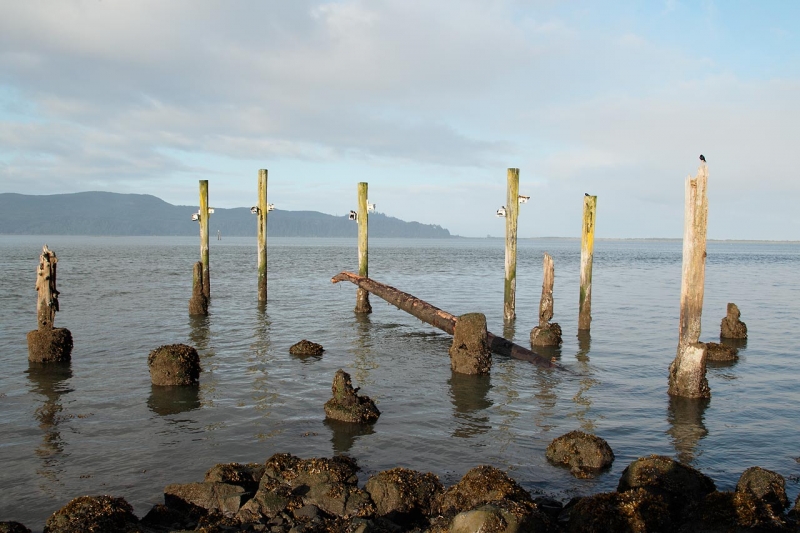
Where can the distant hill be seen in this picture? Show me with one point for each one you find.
(107, 213)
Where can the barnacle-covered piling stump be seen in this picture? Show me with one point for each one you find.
(348, 406)
(48, 344)
(732, 327)
(470, 353)
(174, 364)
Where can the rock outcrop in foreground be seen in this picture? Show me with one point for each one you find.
(288, 494)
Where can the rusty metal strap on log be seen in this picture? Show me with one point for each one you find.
(439, 319)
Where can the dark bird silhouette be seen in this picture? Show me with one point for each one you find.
(586, 194)
(702, 158)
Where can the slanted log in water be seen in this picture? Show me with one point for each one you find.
(437, 318)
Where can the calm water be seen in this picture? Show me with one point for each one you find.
(98, 426)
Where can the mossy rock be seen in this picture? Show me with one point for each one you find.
(98, 514)
(49, 345)
(174, 364)
(305, 347)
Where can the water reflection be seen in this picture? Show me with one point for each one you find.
(345, 434)
(200, 338)
(50, 380)
(199, 332)
(260, 360)
(739, 344)
(364, 360)
(582, 400)
(468, 393)
(173, 400)
(685, 416)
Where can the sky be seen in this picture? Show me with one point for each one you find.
(428, 102)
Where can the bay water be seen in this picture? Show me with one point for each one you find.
(97, 425)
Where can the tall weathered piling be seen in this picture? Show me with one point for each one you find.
(587, 255)
(362, 296)
(261, 215)
(47, 343)
(546, 333)
(204, 212)
(687, 373)
(512, 213)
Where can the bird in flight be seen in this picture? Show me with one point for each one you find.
(702, 158)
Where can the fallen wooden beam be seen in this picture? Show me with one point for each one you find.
(439, 319)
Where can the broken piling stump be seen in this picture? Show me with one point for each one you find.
(47, 343)
(687, 373)
(346, 405)
(546, 333)
(470, 353)
(438, 318)
(731, 327)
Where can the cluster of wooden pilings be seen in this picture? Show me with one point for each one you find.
(686, 373)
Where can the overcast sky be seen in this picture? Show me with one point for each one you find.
(428, 101)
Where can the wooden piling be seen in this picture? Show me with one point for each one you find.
(198, 303)
(687, 373)
(204, 237)
(261, 215)
(512, 213)
(546, 333)
(362, 296)
(47, 343)
(587, 255)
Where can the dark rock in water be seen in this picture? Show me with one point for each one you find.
(765, 485)
(202, 498)
(246, 476)
(348, 406)
(13, 527)
(174, 364)
(681, 485)
(49, 345)
(731, 327)
(305, 347)
(401, 493)
(482, 485)
(585, 454)
(721, 352)
(470, 353)
(732, 511)
(547, 335)
(638, 510)
(98, 514)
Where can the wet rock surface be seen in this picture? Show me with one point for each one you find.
(546, 335)
(470, 353)
(294, 495)
(731, 327)
(721, 352)
(305, 347)
(93, 513)
(586, 455)
(346, 405)
(174, 364)
(49, 345)
(764, 485)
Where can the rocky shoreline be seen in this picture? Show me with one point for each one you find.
(287, 494)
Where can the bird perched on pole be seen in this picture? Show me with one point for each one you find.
(702, 158)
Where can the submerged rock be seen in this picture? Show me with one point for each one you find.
(469, 353)
(731, 327)
(305, 347)
(721, 352)
(348, 406)
(98, 514)
(174, 364)
(49, 345)
(585, 454)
